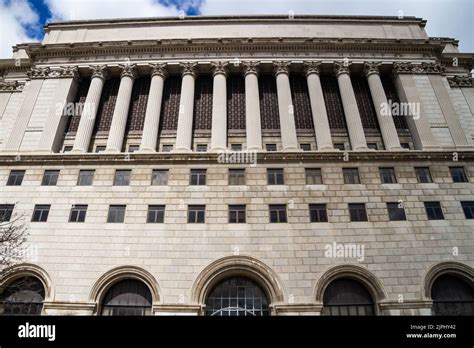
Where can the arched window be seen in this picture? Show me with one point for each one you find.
(346, 296)
(127, 297)
(237, 296)
(452, 296)
(24, 296)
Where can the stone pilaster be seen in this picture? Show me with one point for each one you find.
(252, 107)
(318, 107)
(184, 134)
(386, 123)
(351, 111)
(219, 107)
(91, 105)
(119, 118)
(289, 138)
(153, 108)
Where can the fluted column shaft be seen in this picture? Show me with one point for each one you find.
(153, 109)
(119, 118)
(219, 108)
(185, 120)
(386, 123)
(289, 139)
(91, 105)
(322, 130)
(253, 123)
(351, 111)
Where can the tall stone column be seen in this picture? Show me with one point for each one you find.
(418, 122)
(153, 108)
(55, 125)
(318, 107)
(91, 105)
(386, 123)
(351, 111)
(184, 135)
(289, 139)
(119, 118)
(219, 107)
(253, 123)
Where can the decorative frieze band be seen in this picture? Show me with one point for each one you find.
(423, 68)
(54, 73)
(461, 81)
(11, 86)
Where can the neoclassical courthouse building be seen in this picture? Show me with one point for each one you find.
(308, 165)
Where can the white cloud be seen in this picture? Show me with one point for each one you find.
(15, 17)
(91, 9)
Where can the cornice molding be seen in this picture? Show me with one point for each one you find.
(11, 86)
(461, 81)
(423, 68)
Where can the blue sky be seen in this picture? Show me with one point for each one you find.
(22, 20)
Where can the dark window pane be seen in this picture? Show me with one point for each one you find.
(127, 297)
(452, 295)
(50, 178)
(396, 212)
(357, 212)
(16, 178)
(423, 175)
(40, 213)
(237, 213)
(346, 296)
(468, 208)
(6, 211)
(313, 176)
(196, 214)
(24, 296)
(351, 175)
(305, 147)
(275, 177)
(278, 213)
(78, 213)
(434, 211)
(236, 176)
(198, 177)
(271, 147)
(122, 177)
(116, 214)
(318, 213)
(387, 175)
(458, 174)
(156, 214)
(86, 177)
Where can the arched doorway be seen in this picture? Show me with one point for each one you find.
(22, 296)
(237, 296)
(127, 297)
(346, 296)
(452, 295)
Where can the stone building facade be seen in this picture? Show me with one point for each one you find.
(240, 165)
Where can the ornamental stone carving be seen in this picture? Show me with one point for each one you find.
(313, 67)
(128, 70)
(372, 68)
(11, 86)
(99, 71)
(189, 69)
(281, 68)
(251, 68)
(342, 68)
(38, 73)
(220, 68)
(159, 69)
(461, 81)
(423, 68)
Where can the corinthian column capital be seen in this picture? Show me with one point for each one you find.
(372, 68)
(99, 71)
(220, 68)
(159, 69)
(129, 70)
(281, 68)
(251, 68)
(342, 67)
(313, 67)
(189, 68)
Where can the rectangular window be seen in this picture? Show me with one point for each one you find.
(434, 211)
(116, 214)
(313, 176)
(166, 148)
(278, 213)
(198, 177)
(86, 177)
(50, 178)
(40, 213)
(6, 211)
(396, 212)
(237, 214)
(159, 177)
(305, 147)
(458, 174)
(236, 176)
(340, 146)
(236, 147)
(271, 147)
(133, 148)
(423, 175)
(351, 175)
(318, 213)
(122, 177)
(196, 214)
(68, 148)
(467, 207)
(156, 214)
(357, 212)
(78, 213)
(201, 148)
(99, 148)
(372, 146)
(387, 175)
(16, 178)
(275, 176)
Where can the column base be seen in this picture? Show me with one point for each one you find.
(181, 151)
(218, 149)
(146, 151)
(292, 149)
(326, 149)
